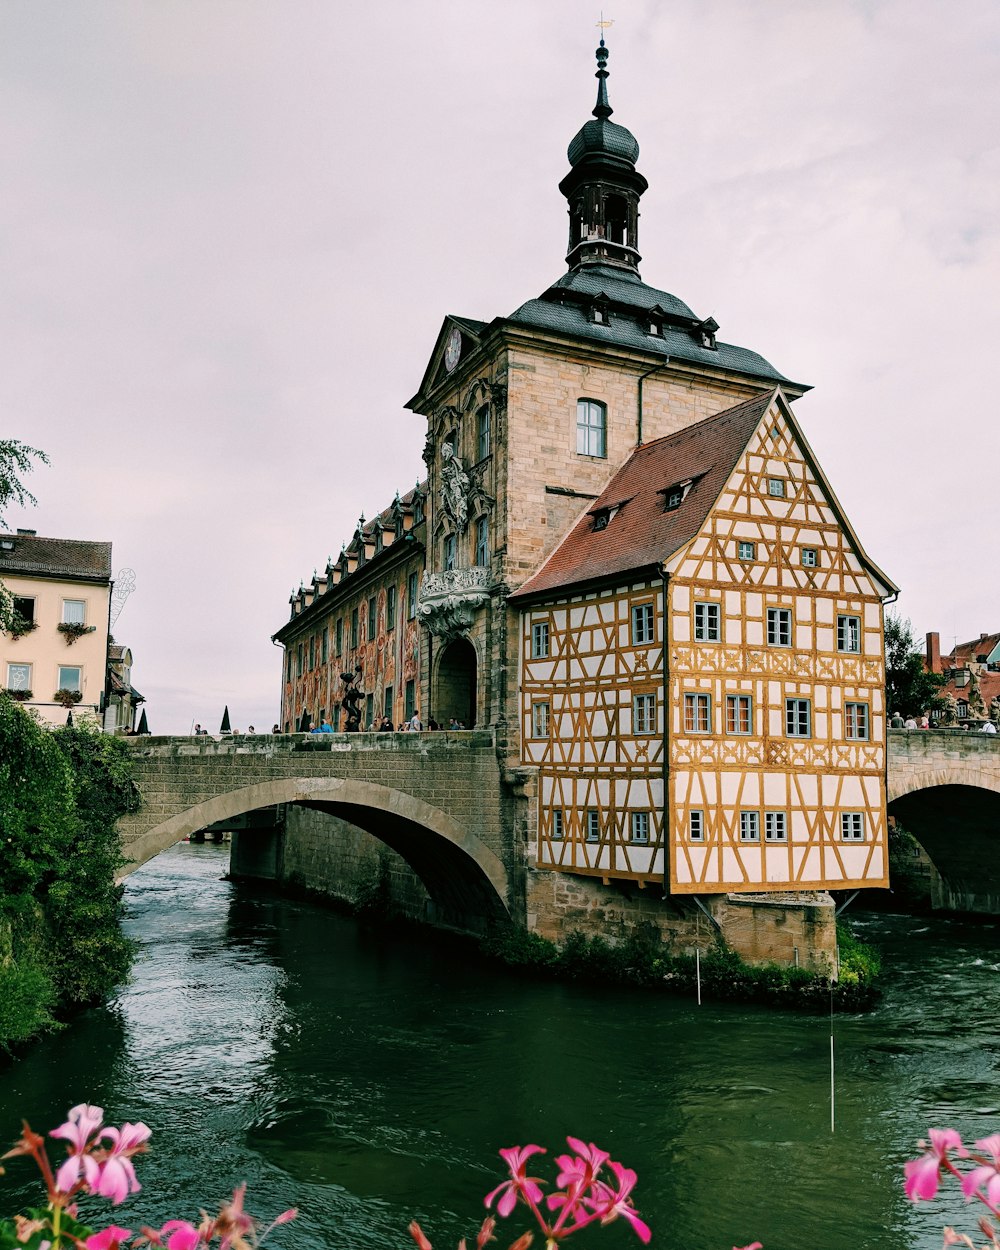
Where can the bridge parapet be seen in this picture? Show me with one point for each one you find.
(920, 759)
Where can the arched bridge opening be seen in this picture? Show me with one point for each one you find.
(465, 878)
(958, 825)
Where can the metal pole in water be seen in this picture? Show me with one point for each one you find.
(697, 970)
(833, 1072)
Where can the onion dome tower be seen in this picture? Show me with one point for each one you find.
(603, 188)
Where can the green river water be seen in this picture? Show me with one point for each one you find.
(371, 1079)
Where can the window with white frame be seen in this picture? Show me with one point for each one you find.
(779, 627)
(809, 557)
(18, 676)
(482, 542)
(798, 718)
(74, 612)
(739, 714)
(706, 622)
(640, 828)
(644, 713)
(749, 826)
(70, 677)
(643, 626)
(775, 827)
(696, 825)
(747, 551)
(697, 713)
(591, 428)
(540, 719)
(557, 824)
(483, 432)
(856, 721)
(539, 640)
(849, 633)
(776, 487)
(593, 825)
(852, 826)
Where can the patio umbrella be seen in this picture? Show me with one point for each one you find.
(143, 726)
(224, 727)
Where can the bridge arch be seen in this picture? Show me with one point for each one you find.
(953, 811)
(463, 876)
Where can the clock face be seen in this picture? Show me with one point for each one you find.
(453, 349)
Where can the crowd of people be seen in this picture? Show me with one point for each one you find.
(912, 722)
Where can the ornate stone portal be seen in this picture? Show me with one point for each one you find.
(448, 600)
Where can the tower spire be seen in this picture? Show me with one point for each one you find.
(603, 186)
(602, 108)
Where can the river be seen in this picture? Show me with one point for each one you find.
(371, 1080)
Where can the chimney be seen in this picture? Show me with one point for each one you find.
(27, 533)
(933, 653)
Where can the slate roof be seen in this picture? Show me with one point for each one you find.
(565, 308)
(642, 534)
(69, 558)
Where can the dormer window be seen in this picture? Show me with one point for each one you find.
(604, 516)
(599, 315)
(706, 331)
(675, 495)
(654, 321)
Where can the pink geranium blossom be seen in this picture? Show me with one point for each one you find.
(81, 1125)
(182, 1235)
(923, 1175)
(611, 1202)
(118, 1177)
(108, 1239)
(519, 1185)
(984, 1181)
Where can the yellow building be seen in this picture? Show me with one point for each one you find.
(55, 658)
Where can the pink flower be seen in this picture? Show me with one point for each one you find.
(109, 1239)
(582, 1168)
(516, 1158)
(923, 1174)
(82, 1123)
(609, 1202)
(987, 1176)
(182, 1235)
(118, 1178)
(754, 1245)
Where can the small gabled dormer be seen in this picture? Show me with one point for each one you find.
(652, 322)
(604, 515)
(674, 496)
(705, 332)
(599, 311)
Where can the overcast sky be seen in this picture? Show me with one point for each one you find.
(229, 232)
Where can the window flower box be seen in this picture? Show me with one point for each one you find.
(74, 630)
(68, 697)
(19, 627)
(20, 695)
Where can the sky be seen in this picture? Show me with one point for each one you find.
(229, 234)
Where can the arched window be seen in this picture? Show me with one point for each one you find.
(591, 428)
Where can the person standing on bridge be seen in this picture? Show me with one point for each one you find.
(415, 724)
(896, 722)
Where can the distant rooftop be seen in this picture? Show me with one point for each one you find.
(27, 554)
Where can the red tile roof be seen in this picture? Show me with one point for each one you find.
(68, 558)
(989, 688)
(966, 651)
(642, 534)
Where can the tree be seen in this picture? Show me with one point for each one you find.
(16, 458)
(909, 688)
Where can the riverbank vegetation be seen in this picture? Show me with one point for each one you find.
(641, 959)
(61, 944)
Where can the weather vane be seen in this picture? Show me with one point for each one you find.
(604, 24)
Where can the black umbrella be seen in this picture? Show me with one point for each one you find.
(143, 726)
(69, 717)
(224, 727)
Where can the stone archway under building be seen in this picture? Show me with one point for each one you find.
(456, 686)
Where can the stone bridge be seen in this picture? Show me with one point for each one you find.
(944, 788)
(438, 799)
(446, 805)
